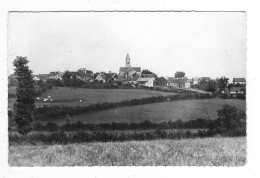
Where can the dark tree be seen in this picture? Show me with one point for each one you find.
(179, 74)
(231, 121)
(212, 86)
(146, 71)
(222, 83)
(160, 81)
(25, 96)
(203, 85)
(66, 78)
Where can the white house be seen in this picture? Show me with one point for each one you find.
(148, 82)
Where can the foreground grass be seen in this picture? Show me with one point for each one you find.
(186, 152)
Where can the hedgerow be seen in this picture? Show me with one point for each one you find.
(61, 111)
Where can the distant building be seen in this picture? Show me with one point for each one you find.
(128, 70)
(195, 80)
(43, 77)
(86, 77)
(178, 82)
(101, 78)
(148, 82)
(239, 80)
(55, 75)
(236, 90)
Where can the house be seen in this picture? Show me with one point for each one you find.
(86, 77)
(236, 90)
(239, 81)
(195, 80)
(43, 77)
(178, 82)
(55, 75)
(110, 77)
(128, 80)
(35, 78)
(148, 82)
(128, 70)
(101, 78)
(73, 74)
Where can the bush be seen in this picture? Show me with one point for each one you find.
(231, 122)
(50, 126)
(38, 126)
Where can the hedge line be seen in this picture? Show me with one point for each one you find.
(145, 125)
(57, 111)
(61, 137)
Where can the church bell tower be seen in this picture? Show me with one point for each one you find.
(127, 61)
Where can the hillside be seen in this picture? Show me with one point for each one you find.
(72, 96)
(186, 152)
(160, 112)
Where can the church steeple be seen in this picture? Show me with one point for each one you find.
(127, 61)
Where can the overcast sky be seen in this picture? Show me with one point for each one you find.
(199, 43)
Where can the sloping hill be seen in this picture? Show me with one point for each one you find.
(72, 96)
(159, 112)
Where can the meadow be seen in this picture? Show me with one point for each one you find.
(185, 152)
(72, 96)
(158, 112)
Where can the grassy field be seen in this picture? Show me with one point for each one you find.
(72, 96)
(186, 152)
(159, 112)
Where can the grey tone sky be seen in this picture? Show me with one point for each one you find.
(198, 43)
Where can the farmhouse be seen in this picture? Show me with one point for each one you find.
(239, 81)
(55, 75)
(101, 78)
(35, 78)
(86, 77)
(178, 82)
(147, 82)
(110, 77)
(43, 77)
(195, 80)
(128, 70)
(237, 90)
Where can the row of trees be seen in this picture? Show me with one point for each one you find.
(230, 122)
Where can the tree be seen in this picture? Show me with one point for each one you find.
(231, 122)
(222, 83)
(179, 74)
(212, 86)
(160, 81)
(25, 96)
(66, 78)
(203, 85)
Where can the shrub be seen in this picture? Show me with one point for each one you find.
(50, 126)
(38, 126)
(231, 122)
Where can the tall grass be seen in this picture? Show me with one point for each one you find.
(186, 152)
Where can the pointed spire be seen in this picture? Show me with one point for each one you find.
(127, 61)
(127, 57)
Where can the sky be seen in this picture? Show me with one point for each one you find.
(209, 44)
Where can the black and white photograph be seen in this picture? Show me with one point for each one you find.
(127, 88)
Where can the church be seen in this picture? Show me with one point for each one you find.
(128, 70)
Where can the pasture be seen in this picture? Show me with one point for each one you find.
(72, 96)
(184, 152)
(158, 112)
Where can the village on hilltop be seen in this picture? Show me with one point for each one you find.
(135, 77)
